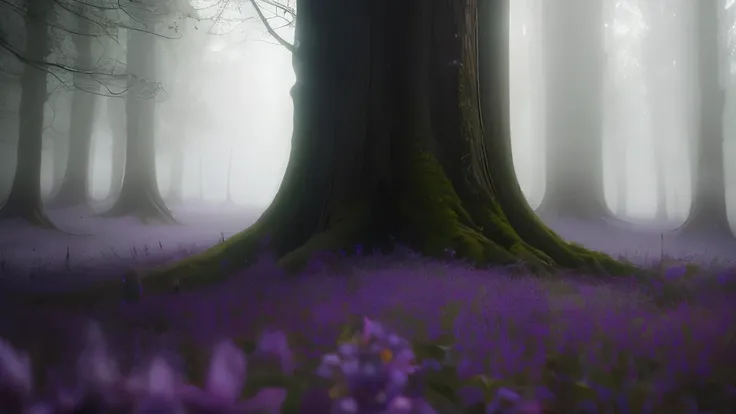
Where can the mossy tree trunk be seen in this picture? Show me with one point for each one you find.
(575, 63)
(139, 194)
(74, 185)
(708, 212)
(390, 144)
(24, 200)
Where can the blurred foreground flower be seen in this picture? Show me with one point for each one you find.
(371, 372)
(157, 388)
(15, 379)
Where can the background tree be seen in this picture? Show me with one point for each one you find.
(116, 122)
(139, 193)
(624, 90)
(183, 81)
(663, 54)
(575, 62)
(708, 212)
(24, 200)
(74, 185)
(48, 26)
(390, 143)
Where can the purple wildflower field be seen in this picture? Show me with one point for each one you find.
(481, 341)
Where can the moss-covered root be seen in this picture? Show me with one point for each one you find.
(436, 220)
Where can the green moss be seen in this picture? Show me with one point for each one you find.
(347, 224)
(442, 223)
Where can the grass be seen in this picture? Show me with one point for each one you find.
(665, 343)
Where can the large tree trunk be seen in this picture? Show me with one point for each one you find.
(117, 119)
(575, 62)
(74, 185)
(708, 212)
(139, 194)
(390, 145)
(24, 200)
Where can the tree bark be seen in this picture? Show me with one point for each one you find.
(24, 200)
(139, 194)
(390, 144)
(575, 63)
(74, 185)
(708, 212)
(117, 118)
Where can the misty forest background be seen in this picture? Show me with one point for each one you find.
(218, 108)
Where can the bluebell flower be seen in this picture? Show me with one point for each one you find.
(371, 370)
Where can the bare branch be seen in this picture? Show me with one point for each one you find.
(270, 30)
(286, 9)
(43, 64)
(21, 12)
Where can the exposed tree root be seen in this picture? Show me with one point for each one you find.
(147, 209)
(713, 226)
(35, 217)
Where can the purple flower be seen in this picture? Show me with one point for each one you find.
(15, 378)
(371, 370)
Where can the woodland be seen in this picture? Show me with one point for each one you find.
(404, 264)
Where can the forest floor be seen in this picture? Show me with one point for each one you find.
(93, 248)
(33, 259)
(638, 342)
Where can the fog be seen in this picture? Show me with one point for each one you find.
(629, 132)
(223, 124)
(225, 105)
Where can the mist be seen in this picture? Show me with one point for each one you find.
(224, 118)
(226, 94)
(555, 203)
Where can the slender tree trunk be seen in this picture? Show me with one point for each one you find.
(621, 144)
(139, 194)
(390, 144)
(200, 177)
(59, 157)
(657, 61)
(117, 118)
(661, 180)
(176, 174)
(74, 186)
(618, 143)
(575, 62)
(708, 211)
(622, 191)
(24, 200)
(229, 199)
